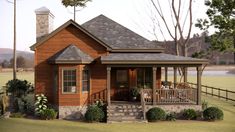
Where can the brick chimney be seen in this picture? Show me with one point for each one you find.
(44, 22)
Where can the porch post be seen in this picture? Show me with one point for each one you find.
(175, 76)
(166, 76)
(108, 85)
(199, 74)
(154, 84)
(185, 74)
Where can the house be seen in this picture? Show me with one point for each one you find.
(76, 65)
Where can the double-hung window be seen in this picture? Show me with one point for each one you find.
(69, 81)
(85, 80)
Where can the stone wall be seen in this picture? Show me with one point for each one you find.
(72, 112)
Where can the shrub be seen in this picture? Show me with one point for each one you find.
(171, 117)
(94, 113)
(204, 105)
(40, 104)
(48, 114)
(17, 115)
(103, 107)
(213, 113)
(155, 114)
(190, 114)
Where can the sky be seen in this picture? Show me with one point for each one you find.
(133, 14)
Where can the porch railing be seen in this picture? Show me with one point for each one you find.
(170, 96)
(99, 96)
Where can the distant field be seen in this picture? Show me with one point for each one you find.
(5, 76)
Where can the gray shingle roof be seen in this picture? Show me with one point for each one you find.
(71, 55)
(148, 58)
(116, 35)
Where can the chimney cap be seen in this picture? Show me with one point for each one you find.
(43, 10)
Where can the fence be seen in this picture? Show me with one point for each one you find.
(217, 92)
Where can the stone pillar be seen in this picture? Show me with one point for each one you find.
(166, 74)
(108, 85)
(154, 84)
(199, 74)
(175, 76)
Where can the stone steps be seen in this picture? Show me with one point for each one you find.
(124, 113)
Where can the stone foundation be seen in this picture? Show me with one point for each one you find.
(72, 112)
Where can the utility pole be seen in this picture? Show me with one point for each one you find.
(14, 43)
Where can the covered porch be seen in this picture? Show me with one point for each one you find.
(144, 73)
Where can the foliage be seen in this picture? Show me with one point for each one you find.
(48, 114)
(204, 105)
(135, 92)
(213, 113)
(103, 107)
(40, 103)
(17, 115)
(155, 114)
(221, 17)
(19, 88)
(94, 113)
(81, 3)
(171, 117)
(190, 114)
(20, 62)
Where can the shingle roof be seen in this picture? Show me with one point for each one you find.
(148, 58)
(116, 35)
(71, 55)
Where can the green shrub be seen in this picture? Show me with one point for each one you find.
(103, 107)
(190, 114)
(94, 113)
(48, 114)
(213, 113)
(155, 114)
(17, 115)
(40, 104)
(171, 117)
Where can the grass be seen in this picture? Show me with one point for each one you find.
(6, 76)
(31, 125)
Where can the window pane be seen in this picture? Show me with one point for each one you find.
(69, 80)
(85, 80)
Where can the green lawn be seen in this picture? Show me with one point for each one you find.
(5, 76)
(30, 125)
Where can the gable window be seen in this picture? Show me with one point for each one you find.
(85, 80)
(69, 81)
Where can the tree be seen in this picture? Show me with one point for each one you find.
(221, 16)
(75, 3)
(20, 61)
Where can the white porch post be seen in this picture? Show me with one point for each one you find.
(199, 74)
(154, 84)
(108, 85)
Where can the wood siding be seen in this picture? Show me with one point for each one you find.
(44, 71)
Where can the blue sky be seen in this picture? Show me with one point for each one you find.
(133, 14)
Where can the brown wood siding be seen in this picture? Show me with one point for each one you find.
(158, 77)
(44, 71)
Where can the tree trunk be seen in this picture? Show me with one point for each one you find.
(234, 49)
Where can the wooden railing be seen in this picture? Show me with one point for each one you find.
(99, 96)
(217, 92)
(143, 103)
(171, 96)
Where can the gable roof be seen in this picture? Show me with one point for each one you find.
(148, 58)
(117, 36)
(70, 22)
(71, 55)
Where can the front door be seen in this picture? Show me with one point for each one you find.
(120, 84)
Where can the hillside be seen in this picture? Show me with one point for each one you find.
(7, 54)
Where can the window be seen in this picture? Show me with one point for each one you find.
(69, 81)
(144, 77)
(122, 78)
(85, 80)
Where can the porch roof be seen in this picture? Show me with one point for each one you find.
(71, 55)
(148, 58)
